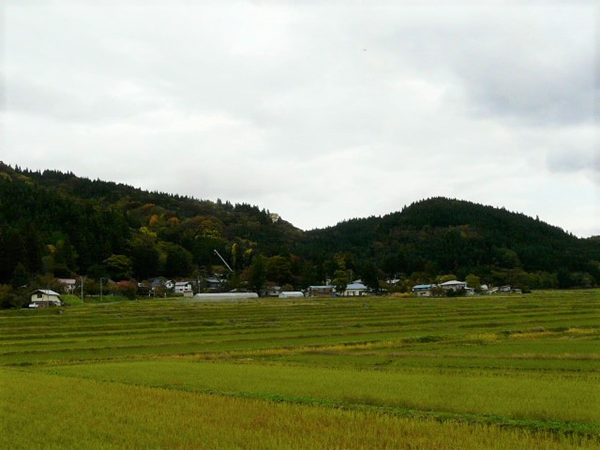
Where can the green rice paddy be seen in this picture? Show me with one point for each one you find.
(519, 371)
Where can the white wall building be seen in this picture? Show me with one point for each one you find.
(185, 288)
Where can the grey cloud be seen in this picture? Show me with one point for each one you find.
(511, 63)
(571, 161)
(316, 112)
(575, 161)
(86, 105)
(534, 93)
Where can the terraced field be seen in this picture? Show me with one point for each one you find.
(481, 372)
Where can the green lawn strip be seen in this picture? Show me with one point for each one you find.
(567, 344)
(64, 325)
(399, 360)
(48, 412)
(558, 355)
(379, 354)
(513, 395)
(374, 306)
(556, 427)
(164, 347)
(542, 347)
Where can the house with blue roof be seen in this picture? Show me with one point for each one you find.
(423, 290)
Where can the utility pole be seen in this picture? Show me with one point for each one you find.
(101, 289)
(224, 262)
(82, 281)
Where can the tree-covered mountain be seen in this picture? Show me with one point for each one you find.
(442, 236)
(57, 222)
(60, 225)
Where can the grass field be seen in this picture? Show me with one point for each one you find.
(506, 372)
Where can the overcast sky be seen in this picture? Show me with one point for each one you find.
(319, 111)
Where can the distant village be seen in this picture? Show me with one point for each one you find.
(212, 288)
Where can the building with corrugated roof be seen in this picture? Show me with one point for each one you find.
(423, 290)
(45, 297)
(355, 289)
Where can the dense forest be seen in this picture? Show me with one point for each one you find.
(59, 225)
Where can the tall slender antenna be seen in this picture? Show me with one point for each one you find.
(224, 262)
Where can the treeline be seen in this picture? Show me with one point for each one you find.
(55, 224)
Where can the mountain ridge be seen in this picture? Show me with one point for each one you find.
(59, 224)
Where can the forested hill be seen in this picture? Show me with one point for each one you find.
(58, 224)
(441, 235)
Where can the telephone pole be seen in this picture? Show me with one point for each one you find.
(82, 282)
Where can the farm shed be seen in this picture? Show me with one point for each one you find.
(45, 297)
(320, 291)
(291, 294)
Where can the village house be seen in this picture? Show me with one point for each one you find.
(355, 289)
(453, 285)
(423, 290)
(457, 286)
(185, 288)
(44, 298)
(214, 283)
(428, 290)
(69, 284)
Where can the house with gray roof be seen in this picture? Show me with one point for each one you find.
(355, 289)
(44, 298)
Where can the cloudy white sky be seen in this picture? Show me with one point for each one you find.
(318, 111)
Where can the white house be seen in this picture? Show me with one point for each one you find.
(355, 289)
(69, 284)
(454, 285)
(45, 297)
(185, 288)
(427, 290)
